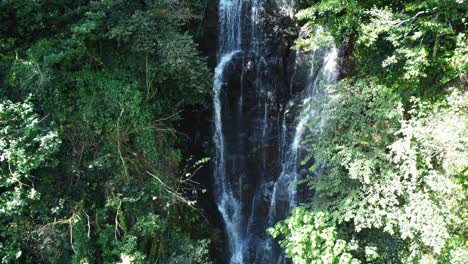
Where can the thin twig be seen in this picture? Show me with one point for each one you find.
(118, 141)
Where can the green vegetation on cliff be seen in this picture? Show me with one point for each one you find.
(394, 144)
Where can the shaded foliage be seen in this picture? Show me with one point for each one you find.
(113, 77)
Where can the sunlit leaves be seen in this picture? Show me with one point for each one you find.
(26, 145)
(421, 43)
(404, 168)
(460, 59)
(395, 161)
(311, 238)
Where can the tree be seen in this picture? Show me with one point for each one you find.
(311, 237)
(27, 144)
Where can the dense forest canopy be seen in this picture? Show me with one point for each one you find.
(91, 92)
(91, 166)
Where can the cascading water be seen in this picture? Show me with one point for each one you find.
(291, 159)
(228, 204)
(284, 196)
(257, 132)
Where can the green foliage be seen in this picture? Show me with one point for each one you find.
(27, 144)
(416, 46)
(393, 144)
(196, 253)
(393, 171)
(312, 237)
(113, 76)
(390, 171)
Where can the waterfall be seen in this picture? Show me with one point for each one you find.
(228, 204)
(284, 196)
(257, 131)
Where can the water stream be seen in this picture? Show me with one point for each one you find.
(259, 127)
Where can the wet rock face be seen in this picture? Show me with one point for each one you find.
(209, 42)
(258, 83)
